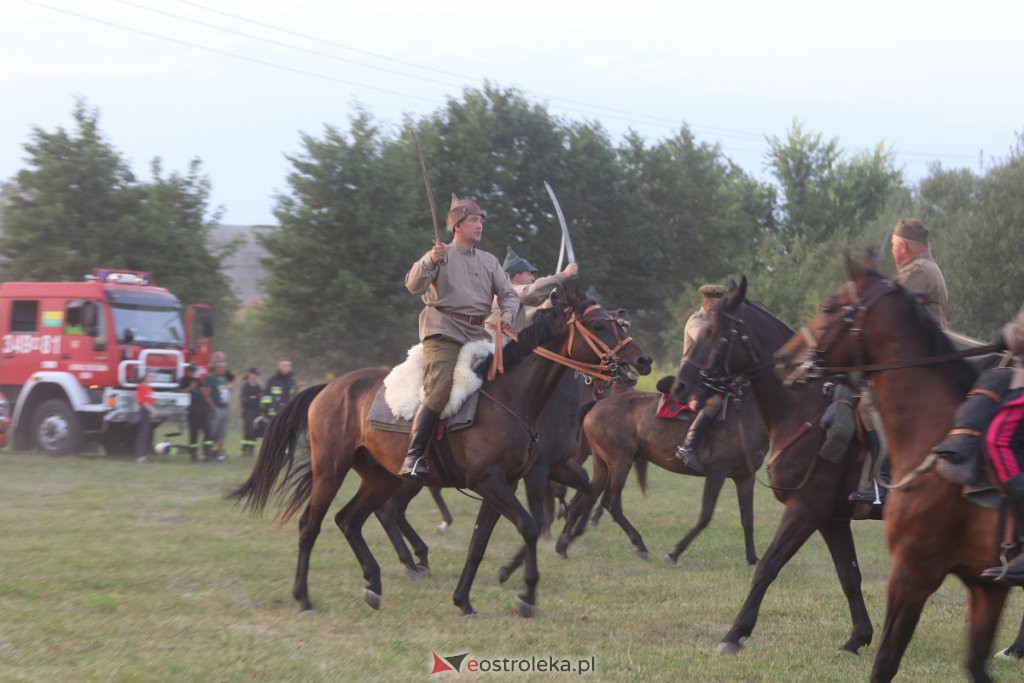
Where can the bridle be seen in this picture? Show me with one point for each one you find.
(609, 364)
(729, 382)
(850, 320)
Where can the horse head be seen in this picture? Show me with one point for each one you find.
(833, 337)
(724, 354)
(597, 337)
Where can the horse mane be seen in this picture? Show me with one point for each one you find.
(546, 322)
(959, 372)
(771, 316)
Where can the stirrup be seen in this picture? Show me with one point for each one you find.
(862, 496)
(417, 471)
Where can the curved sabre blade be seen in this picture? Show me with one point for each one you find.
(566, 240)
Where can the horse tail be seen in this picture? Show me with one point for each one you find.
(641, 474)
(277, 453)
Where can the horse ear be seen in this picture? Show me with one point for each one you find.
(852, 267)
(871, 259)
(734, 297)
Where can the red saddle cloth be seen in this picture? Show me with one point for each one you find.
(669, 409)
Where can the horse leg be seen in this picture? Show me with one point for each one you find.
(615, 486)
(579, 509)
(486, 518)
(745, 496)
(388, 515)
(569, 473)
(1016, 650)
(839, 538)
(906, 594)
(536, 481)
(986, 605)
(419, 546)
(502, 498)
(325, 488)
(712, 488)
(446, 515)
(795, 528)
(378, 485)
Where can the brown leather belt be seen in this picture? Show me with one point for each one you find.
(471, 319)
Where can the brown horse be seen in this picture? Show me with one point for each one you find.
(930, 529)
(737, 347)
(625, 429)
(489, 457)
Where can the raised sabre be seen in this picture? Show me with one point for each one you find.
(566, 247)
(426, 183)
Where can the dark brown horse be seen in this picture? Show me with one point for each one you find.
(490, 456)
(930, 529)
(625, 429)
(738, 347)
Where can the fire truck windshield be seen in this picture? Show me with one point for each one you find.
(148, 325)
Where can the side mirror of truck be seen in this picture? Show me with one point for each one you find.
(207, 322)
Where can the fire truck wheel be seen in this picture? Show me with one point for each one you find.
(56, 428)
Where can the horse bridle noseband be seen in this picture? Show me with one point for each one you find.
(730, 382)
(606, 370)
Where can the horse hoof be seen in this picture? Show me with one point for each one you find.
(310, 612)
(752, 560)
(503, 574)
(595, 522)
(422, 571)
(372, 599)
(727, 649)
(562, 546)
(670, 561)
(1011, 653)
(443, 527)
(470, 615)
(524, 609)
(642, 554)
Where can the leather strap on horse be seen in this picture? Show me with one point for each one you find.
(993, 396)
(930, 360)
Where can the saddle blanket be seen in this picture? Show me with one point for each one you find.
(670, 410)
(396, 402)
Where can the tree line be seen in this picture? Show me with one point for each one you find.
(650, 220)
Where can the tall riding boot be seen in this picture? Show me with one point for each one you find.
(688, 451)
(424, 425)
(872, 492)
(1014, 575)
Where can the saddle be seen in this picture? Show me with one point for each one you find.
(669, 409)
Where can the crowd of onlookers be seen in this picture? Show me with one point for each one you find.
(210, 404)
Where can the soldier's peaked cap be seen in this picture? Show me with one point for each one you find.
(460, 209)
(912, 229)
(514, 263)
(712, 291)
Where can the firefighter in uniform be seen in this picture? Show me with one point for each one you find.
(709, 296)
(250, 397)
(458, 283)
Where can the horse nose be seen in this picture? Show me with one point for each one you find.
(643, 365)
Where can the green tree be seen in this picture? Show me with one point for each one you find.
(77, 206)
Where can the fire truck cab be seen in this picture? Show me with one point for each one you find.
(73, 354)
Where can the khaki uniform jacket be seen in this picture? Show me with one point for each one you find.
(531, 296)
(466, 284)
(697, 322)
(921, 275)
(1013, 333)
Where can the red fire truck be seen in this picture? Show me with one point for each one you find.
(73, 354)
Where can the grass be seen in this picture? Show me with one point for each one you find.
(117, 571)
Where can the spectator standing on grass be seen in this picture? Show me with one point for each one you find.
(216, 391)
(196, 413)
(250, 397)
(144, 413)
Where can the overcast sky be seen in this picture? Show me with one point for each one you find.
(935, 80)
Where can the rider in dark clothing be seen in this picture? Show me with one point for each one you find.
(251, 395)
(196, 410)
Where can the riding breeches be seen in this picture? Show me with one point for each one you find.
(439, 356)
(1005, 437)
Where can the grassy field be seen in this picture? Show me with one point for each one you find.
(117, 571)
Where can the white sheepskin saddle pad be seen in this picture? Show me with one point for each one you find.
(403, 387)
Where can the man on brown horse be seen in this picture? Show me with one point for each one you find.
(709, 296)
(920, 274)
(457, 282)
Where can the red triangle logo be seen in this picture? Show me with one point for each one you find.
(440, 665)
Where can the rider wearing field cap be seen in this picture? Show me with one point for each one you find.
(917, 270)
(709, 296)
(457, 282)
(533, 291)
